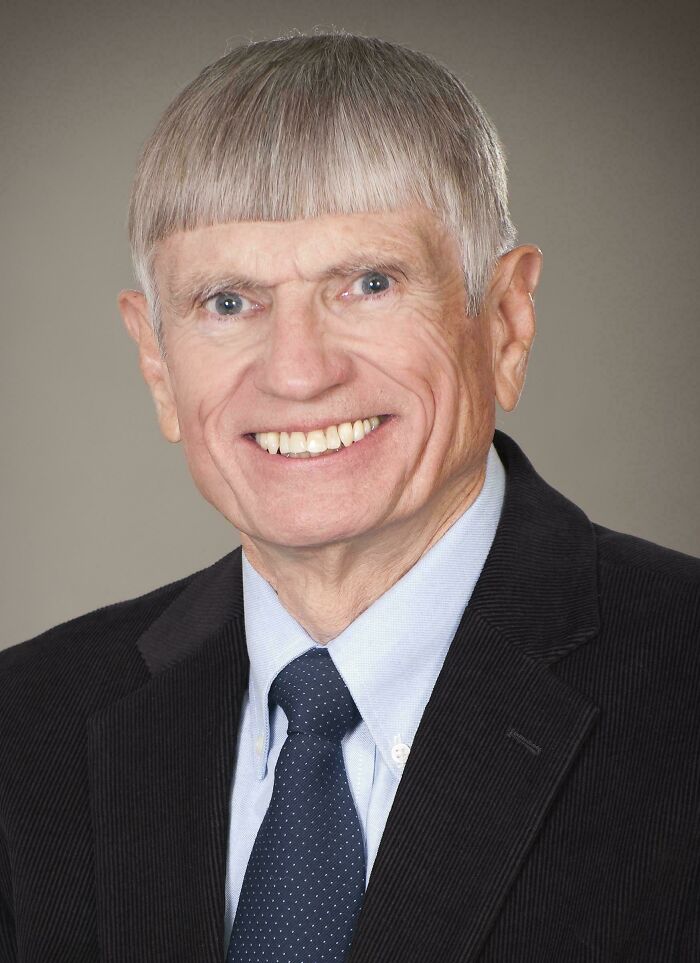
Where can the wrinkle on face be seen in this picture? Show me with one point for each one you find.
(419, 356)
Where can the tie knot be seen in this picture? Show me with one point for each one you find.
(314, 697)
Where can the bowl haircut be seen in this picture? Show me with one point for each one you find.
(333, 123)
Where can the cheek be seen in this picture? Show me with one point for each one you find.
(450, 354)
(208, 439)
(462, 389)
(195, 418)
(203, 391)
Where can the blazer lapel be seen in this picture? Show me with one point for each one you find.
(497, 740)
(161, 764)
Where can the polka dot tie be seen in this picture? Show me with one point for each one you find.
(305, 880)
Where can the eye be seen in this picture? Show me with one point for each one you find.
(371, 283)
(226, 304)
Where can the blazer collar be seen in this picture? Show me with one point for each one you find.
(212, 598)
(499, 735)
(539, 586)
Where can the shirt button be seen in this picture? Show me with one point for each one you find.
(259, 744)
(399, 753)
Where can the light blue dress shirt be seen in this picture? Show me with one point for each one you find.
(389, 658)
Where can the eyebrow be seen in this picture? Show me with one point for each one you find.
(203, 285)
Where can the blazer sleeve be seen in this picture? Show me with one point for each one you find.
(8, 943)
(689, 951)
(689, 944)
(8, 946)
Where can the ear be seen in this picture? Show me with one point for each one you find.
(511, 310)
(137, 319)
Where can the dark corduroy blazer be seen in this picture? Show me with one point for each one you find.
(548, 813)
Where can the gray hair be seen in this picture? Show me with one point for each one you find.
(332, 123)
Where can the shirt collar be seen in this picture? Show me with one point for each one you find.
(391, 654)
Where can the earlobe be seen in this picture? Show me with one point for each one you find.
(137, 320)
(166, 411)
(513, 310)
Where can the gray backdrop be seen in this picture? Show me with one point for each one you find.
(597, 106)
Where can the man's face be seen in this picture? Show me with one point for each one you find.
(295, 326)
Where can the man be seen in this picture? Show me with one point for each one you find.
(428, 710)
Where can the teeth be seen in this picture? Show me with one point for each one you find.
(345, 432)
(297, 442)
(305, 445)
(332, 438)
(316, 442)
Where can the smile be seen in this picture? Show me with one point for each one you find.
(300, 444)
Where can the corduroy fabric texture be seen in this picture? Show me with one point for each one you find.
(549, 810)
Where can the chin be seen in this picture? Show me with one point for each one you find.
(304, 536)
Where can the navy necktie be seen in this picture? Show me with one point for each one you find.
(305, 880)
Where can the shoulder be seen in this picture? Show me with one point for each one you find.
(50, 685)
(651, 579)
(88, 639)
(638, 555)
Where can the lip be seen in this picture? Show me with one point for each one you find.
(324, 462)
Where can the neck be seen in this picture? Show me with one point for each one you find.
(327, 587)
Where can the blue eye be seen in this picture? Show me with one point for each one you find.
(374, 283)
(226, 304)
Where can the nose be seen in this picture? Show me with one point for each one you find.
(301, 359)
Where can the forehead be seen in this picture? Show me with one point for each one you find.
(272, 252)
